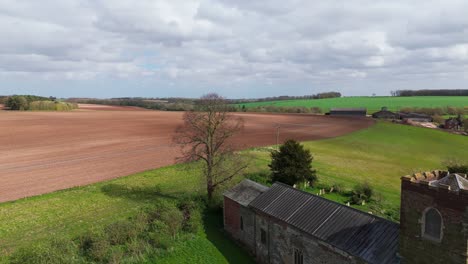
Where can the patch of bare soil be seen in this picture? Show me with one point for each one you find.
(47, 151)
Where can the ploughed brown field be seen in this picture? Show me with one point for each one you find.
(47, 151)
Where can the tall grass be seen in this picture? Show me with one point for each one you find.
(51, 106)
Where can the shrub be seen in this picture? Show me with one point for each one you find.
(438, 119)
(361, 193)
(94, 246)
(120, 232)
(173, 220)
(457, 166)
(17, 102)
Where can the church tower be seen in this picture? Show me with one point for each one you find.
(434, 218)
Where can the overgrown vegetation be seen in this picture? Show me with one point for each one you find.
(37, 103)
(361, 193)
(141, 238)
(163, 104)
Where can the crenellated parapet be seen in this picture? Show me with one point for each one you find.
(455, 183)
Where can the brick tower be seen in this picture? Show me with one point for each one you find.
(434, 218)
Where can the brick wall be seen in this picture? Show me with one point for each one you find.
(415, 199)
(231, 217)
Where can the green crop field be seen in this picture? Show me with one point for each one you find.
(381, 154)
(372, 104)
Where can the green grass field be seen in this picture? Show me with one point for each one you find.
(372, 104)
(381, 154)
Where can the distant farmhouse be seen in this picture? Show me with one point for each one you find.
(280, 224)
(385, 114)
(416, 117)
(348, 112)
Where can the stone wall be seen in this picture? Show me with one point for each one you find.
(247, 235)
(415, 199)
(283, 239)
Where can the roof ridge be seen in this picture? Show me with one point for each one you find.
(331, 201)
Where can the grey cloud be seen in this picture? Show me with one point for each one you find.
(217, 43)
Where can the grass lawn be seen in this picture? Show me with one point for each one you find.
(380, 154)
(372, 104)
(71, 212)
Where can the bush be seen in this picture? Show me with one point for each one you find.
(17, 102)
(51, 106)
(120, 232)
(173, 220)
(361, 193)
(94, 246)
(457, 166)
(438, 119)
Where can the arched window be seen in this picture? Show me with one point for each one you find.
(432, 225)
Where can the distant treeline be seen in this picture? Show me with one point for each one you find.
(287, 97)
(455, 92)
(36, 103)
(164, 104)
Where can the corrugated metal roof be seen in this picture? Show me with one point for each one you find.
(349, 109)
(245, 192)
(360, 234)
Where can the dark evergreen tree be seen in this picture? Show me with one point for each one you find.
(292, 164)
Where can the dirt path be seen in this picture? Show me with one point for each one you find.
(47, 151)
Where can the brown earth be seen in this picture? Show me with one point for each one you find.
(47, 151)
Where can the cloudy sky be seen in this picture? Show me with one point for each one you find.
(241, 48)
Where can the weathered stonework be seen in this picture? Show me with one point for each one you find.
(417, 194)
(283, 239)
(282, 224)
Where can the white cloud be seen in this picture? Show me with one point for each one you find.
(209, 43)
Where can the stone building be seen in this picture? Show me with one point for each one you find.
(281, 224)
(434, 218)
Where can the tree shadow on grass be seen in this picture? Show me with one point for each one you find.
(213, 224)
(140, 194)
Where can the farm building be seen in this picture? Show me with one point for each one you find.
(281, 224)
(416, 117)
(348, 111)
(453, 123)
(385, 114)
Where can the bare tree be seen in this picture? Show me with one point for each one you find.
(205, 136)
